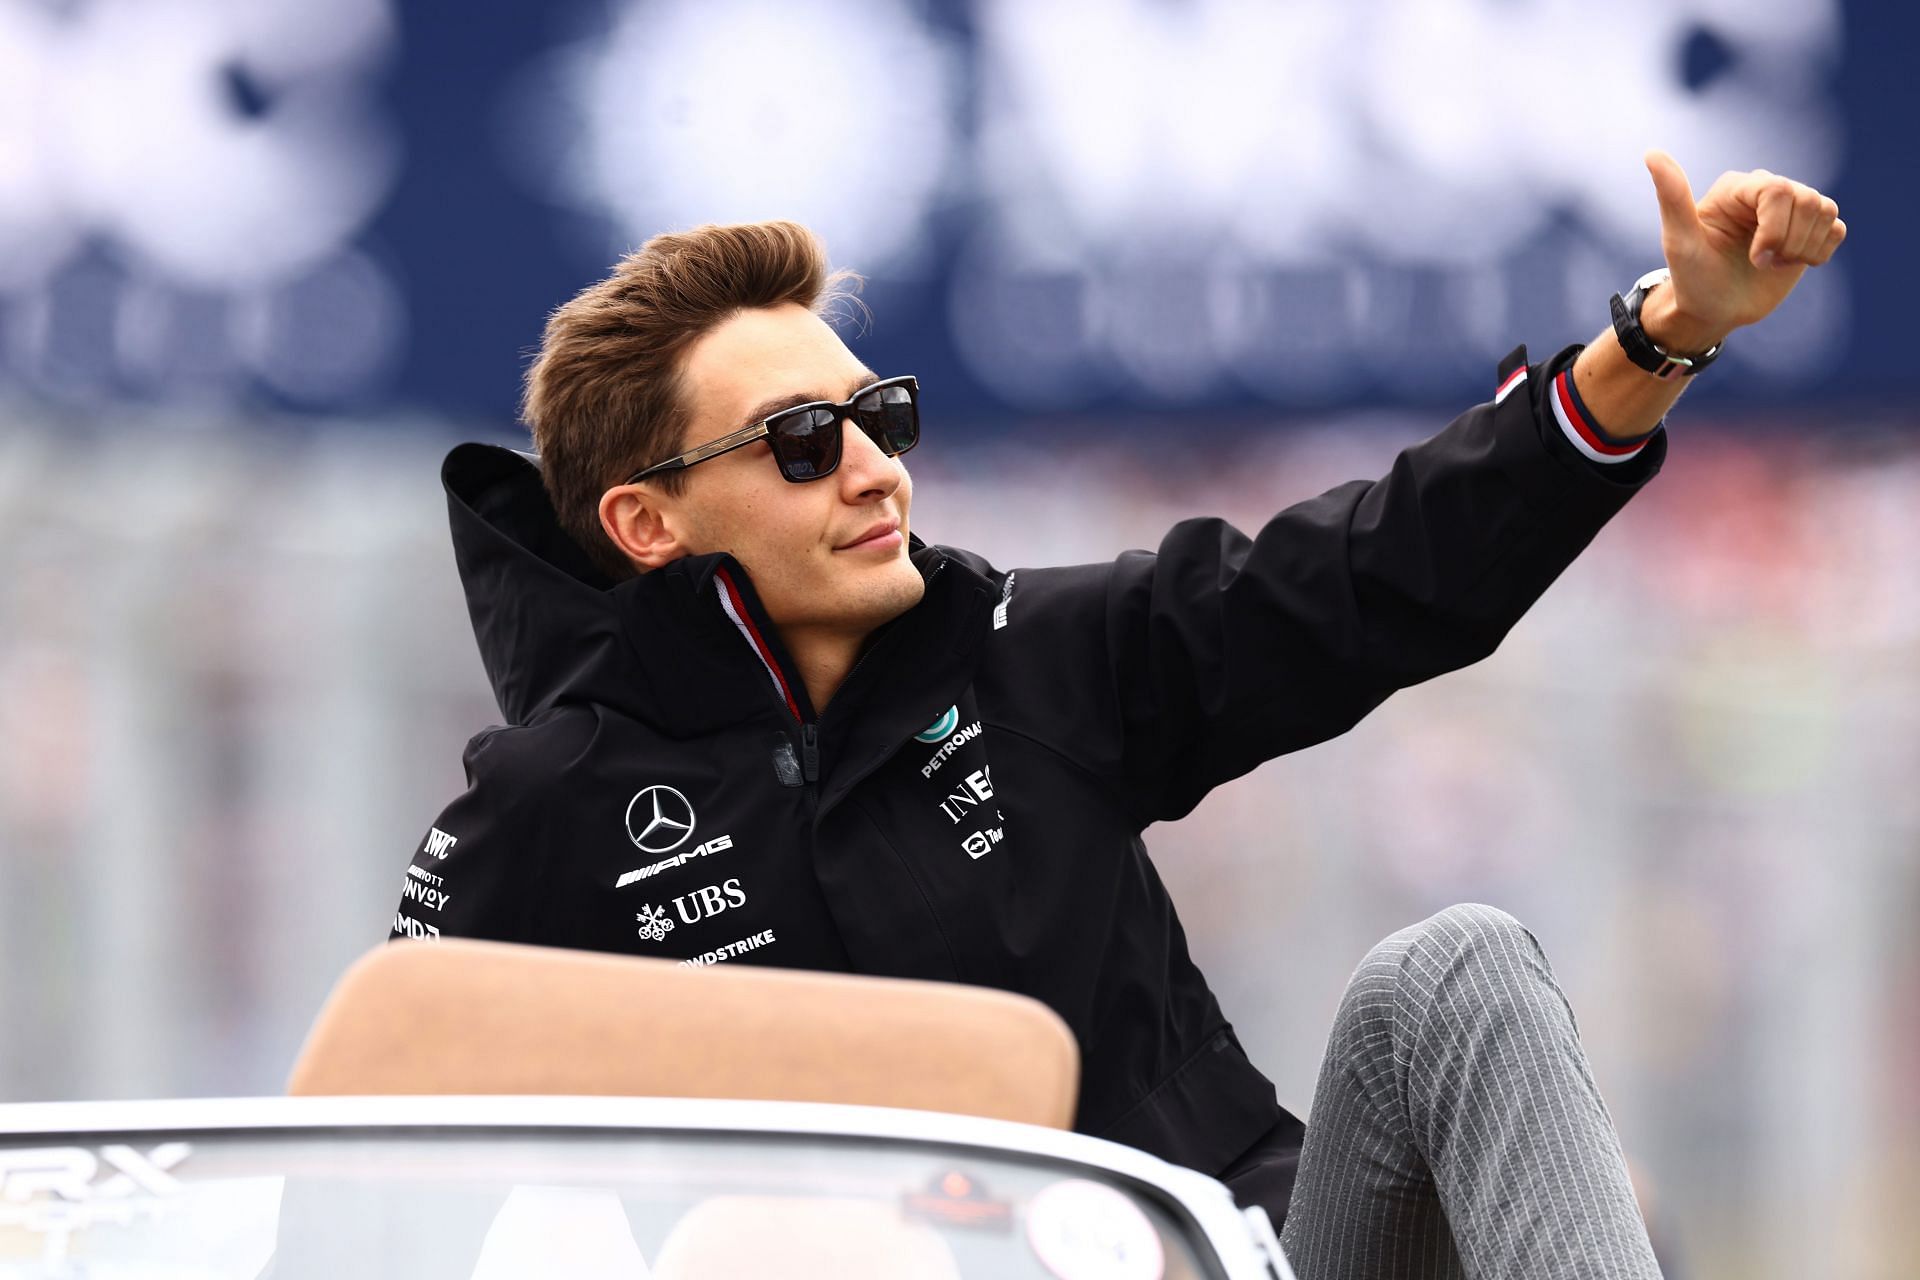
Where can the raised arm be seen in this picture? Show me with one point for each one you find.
(1183, 668)
(1226, 650)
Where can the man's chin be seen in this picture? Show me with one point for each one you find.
(886, 595)
(901, 592)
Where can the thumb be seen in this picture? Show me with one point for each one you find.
(1678, 213)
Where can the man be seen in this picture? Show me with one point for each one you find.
(750, 719)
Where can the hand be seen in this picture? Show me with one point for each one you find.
(1736, 255)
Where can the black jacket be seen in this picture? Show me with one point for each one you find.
(970, 806)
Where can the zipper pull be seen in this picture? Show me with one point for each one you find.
(810, 752)
(786, 762)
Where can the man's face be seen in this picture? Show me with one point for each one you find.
(828, 555)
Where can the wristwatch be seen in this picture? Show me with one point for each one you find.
(1641, 349)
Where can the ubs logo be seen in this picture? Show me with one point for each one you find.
(709, 900)
(659, 819)
(703, 903)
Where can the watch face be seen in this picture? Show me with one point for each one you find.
(1659, 275)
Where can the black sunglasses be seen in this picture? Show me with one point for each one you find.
(806, 438)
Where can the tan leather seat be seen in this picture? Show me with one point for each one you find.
(457, 1016)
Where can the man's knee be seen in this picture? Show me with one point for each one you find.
(1473, 966)
(1463, 983)
(1466, 952)
(1452, 977)
(1472, 931)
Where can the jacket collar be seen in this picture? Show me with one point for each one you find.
(669, 648)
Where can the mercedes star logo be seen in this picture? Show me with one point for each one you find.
(659, 819)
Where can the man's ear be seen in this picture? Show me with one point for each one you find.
(643, 523)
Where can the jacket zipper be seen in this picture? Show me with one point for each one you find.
(810, 751)
(810, 729)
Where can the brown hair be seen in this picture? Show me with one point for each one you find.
(603, 396)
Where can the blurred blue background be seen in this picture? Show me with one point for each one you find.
(262, 260)
(1084, 205)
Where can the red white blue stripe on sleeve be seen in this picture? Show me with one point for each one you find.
(1512, 384)
(1574, 419)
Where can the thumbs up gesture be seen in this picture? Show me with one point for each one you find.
(1735, 254)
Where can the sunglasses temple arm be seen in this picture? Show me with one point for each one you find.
(671, 464)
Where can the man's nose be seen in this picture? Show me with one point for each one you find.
(866, 471)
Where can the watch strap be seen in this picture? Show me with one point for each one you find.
(1643, 350)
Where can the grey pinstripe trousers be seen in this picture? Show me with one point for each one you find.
(1456, 1129)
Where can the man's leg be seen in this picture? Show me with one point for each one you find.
(1456, 1129)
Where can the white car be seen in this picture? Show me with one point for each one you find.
(487, 1188)
(478, 1111)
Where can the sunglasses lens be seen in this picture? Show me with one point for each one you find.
(891, 418)
(806, 442)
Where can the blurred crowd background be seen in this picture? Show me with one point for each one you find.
(262, 261)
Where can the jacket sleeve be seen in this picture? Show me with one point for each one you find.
(477, 872)
(1226, 651)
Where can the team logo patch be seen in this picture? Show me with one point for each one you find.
(654, 923)
(939, 728)
(659, 819)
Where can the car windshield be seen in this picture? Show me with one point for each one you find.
(483, 1205)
